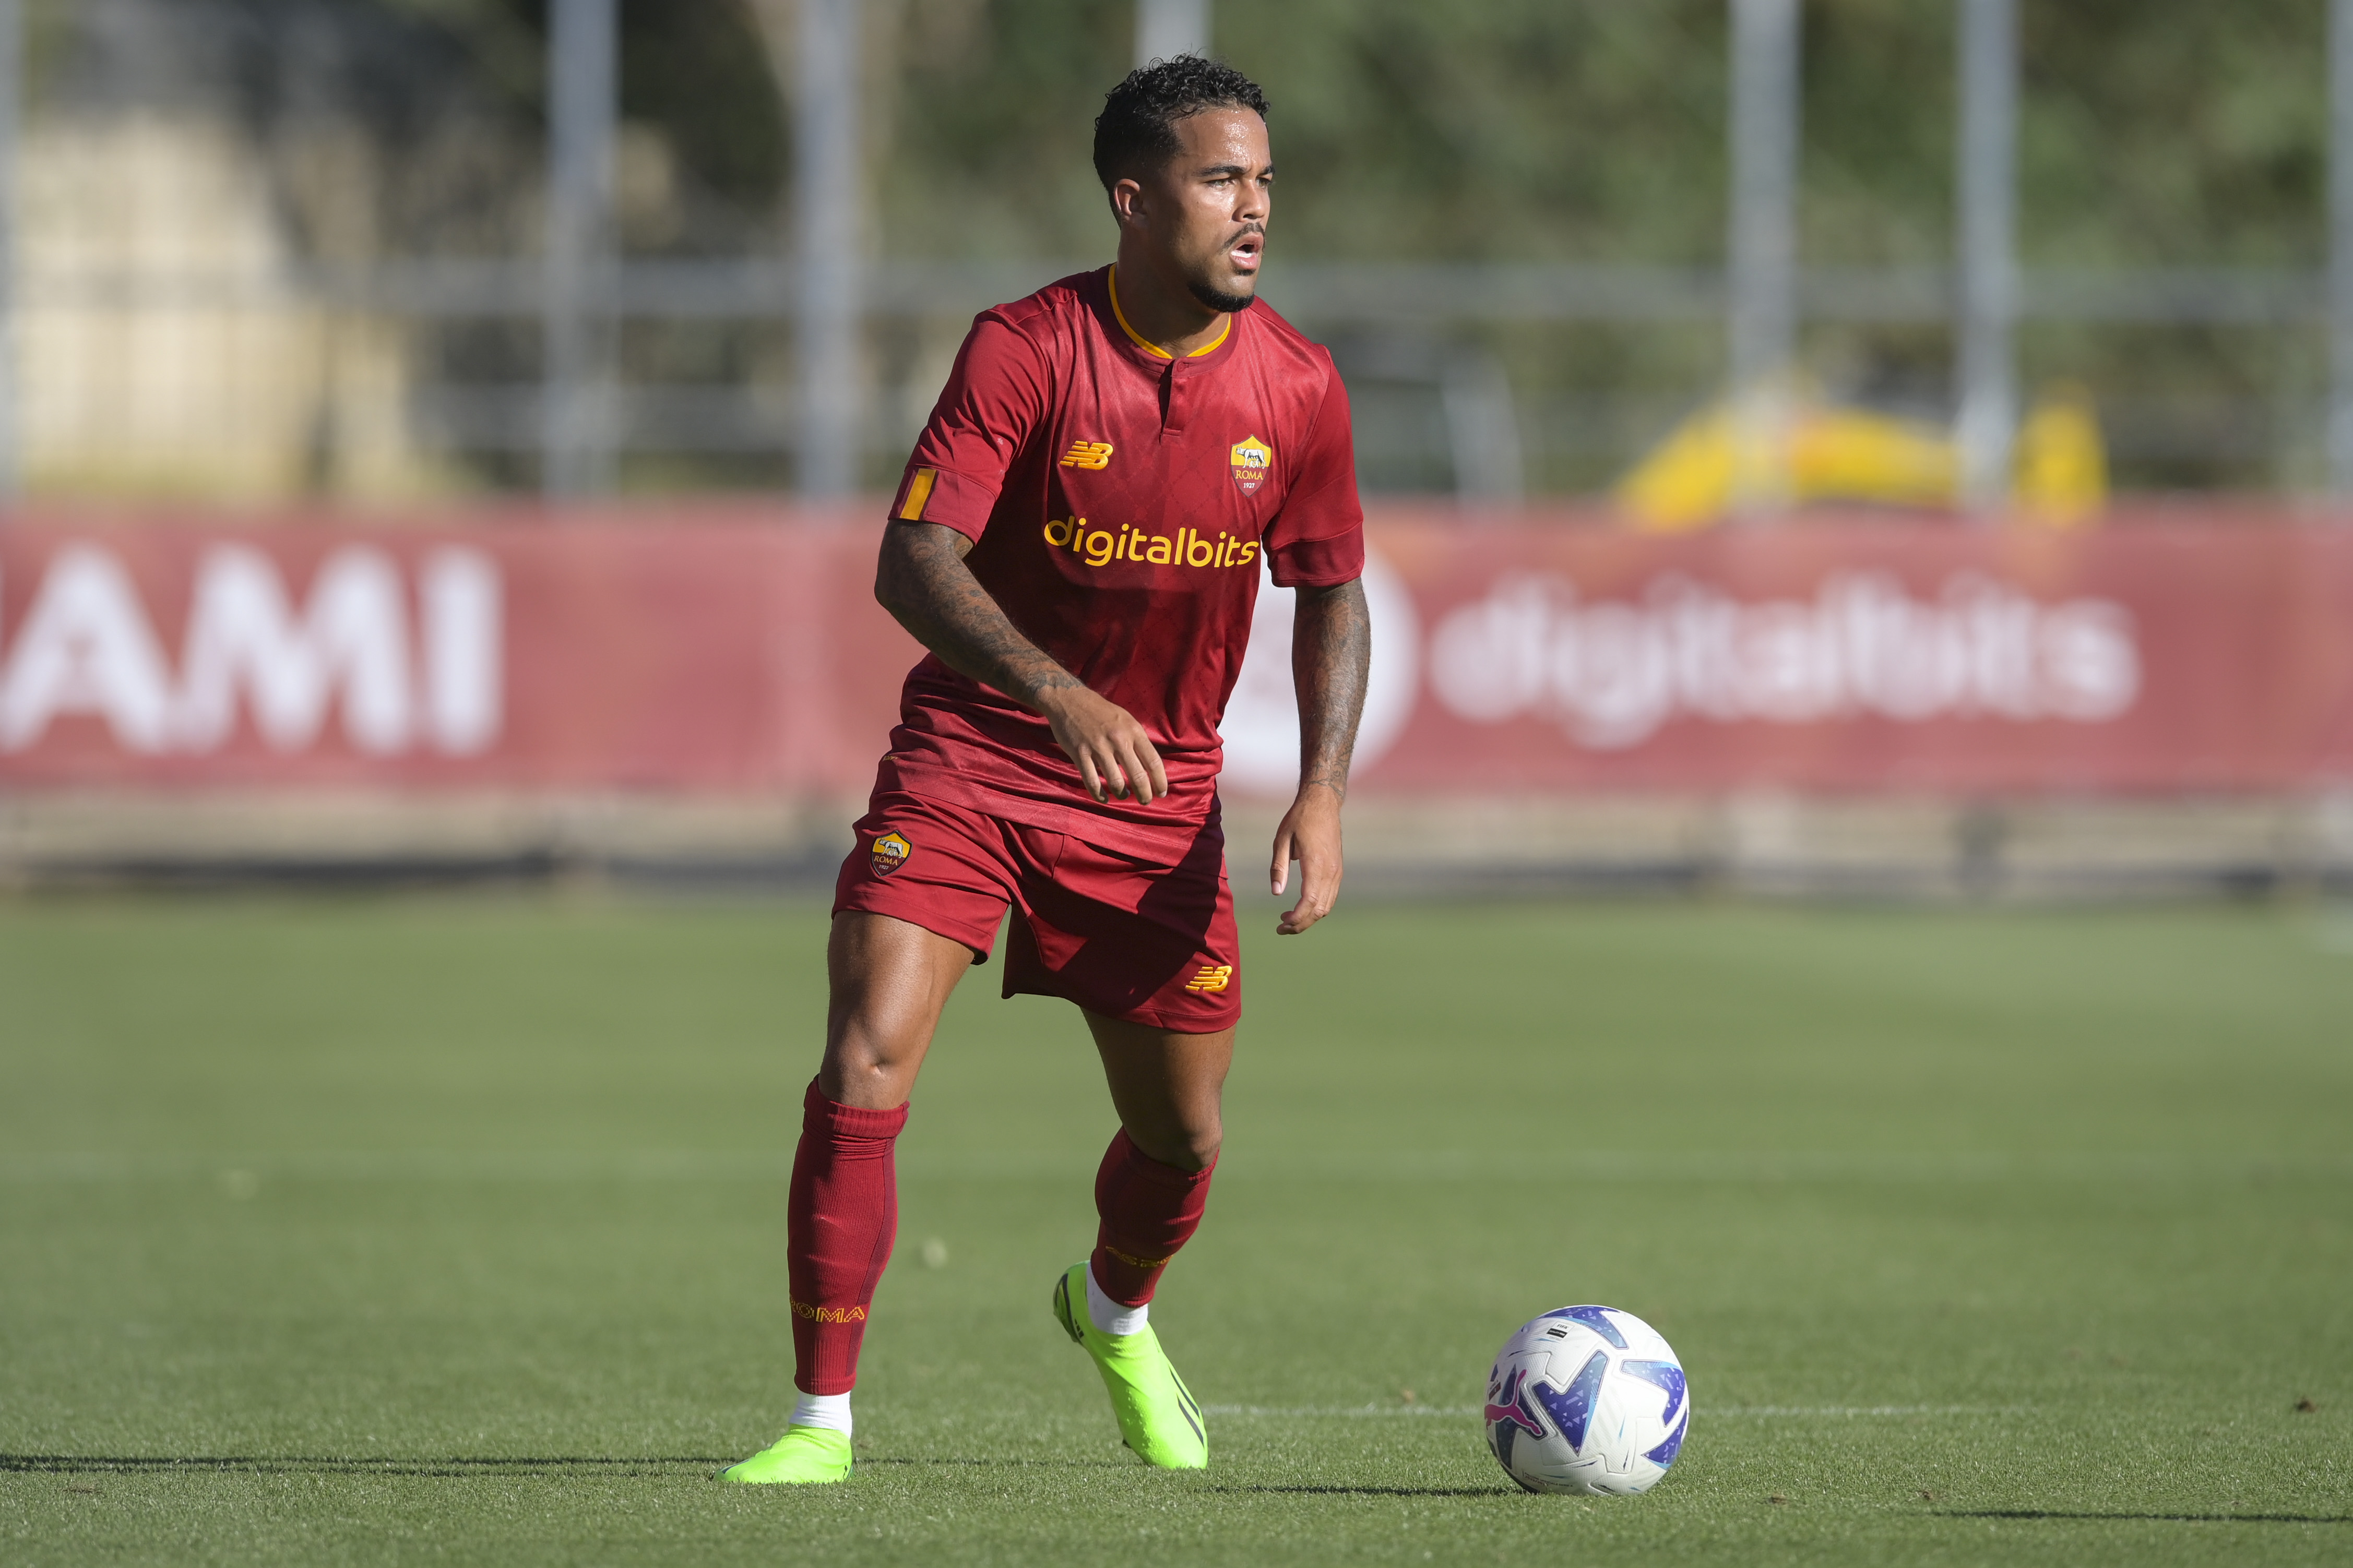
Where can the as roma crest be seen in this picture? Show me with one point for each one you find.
(891, 852)
(1252, 458)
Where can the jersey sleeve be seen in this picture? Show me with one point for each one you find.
(998, 394)
(1317, 541)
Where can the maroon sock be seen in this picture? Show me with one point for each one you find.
(839, 1222)
(1149, 1210)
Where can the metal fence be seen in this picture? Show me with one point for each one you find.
(573, 422)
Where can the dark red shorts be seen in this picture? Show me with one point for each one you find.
(1127, 938)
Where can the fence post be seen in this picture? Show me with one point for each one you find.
(583, 89)
(1986, 182)
(829, 233)
(1166, 29)
(1762, 325)
(2340, 247)
(11, 96)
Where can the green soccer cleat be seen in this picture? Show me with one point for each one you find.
(803, 1456)
(1157, 1413)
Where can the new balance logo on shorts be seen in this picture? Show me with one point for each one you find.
(891, 852)
(1213, 977)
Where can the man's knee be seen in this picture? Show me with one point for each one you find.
(890, 980)
(858, 1065)
(1200, 1150)
(1185, 1145)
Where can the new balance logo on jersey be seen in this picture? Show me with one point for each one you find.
(1088, 454)
(1213, 977)
(1186, 547)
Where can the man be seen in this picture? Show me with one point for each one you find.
(1078, 541)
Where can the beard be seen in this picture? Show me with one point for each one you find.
(1217, 298)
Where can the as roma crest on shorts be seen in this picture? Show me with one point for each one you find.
(890, 853)
(1252, 458)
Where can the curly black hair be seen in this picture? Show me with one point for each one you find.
(1137, 129)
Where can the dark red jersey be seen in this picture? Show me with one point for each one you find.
(1122, 504)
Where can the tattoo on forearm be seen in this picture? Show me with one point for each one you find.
(923, 580)
(1331, 657)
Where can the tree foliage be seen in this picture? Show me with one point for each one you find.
(2177, 134)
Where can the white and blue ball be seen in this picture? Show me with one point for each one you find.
(1587, 1399)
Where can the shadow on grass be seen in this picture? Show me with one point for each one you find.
(864, 1462)
(1374, 1491)
(297, 1464)
(2157, 1518)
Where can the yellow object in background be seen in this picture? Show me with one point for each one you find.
(2061, 464)
(1685, 481)
(1691, 479)
(1849, 453)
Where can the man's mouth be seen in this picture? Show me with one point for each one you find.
(1242, 255)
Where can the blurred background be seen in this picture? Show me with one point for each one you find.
(551, 345)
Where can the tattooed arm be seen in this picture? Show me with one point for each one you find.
(1331, 655)
(923, 580)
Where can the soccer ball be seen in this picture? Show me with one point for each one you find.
(1587, 1399)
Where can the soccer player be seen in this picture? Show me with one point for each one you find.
(1078, 540)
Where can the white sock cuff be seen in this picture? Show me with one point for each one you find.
(1111, 1317)
(830, 1410)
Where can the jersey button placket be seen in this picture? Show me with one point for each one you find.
(1174, 384)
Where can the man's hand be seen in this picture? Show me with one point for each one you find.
(1310, 833)
(1115, 757)
(922, 580)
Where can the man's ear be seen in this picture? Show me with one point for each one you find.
(1127, 201)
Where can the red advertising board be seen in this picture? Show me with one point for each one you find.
(739, 653)
(726, 655)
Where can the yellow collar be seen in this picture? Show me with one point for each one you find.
(1151, 348)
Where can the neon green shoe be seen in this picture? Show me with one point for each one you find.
(1157, 1413)
(803, 1456)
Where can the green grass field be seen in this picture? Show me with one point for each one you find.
(450, 1231)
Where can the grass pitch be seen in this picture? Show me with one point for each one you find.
(449, 1231)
